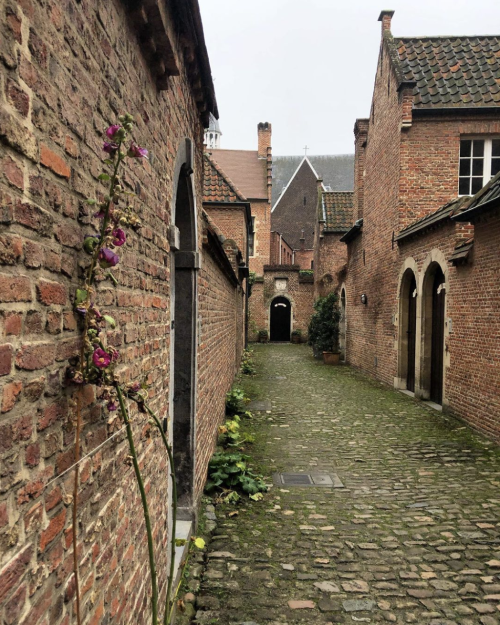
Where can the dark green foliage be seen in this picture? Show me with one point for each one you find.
(323, 333)
(229, 471)
(235, 401)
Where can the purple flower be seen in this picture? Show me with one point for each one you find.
(100, 214)
(135, 151)
(119, 237)
(134, 387)
(107, 258)
(110, 148)
(112, 406)
(101, 358)
(115, 354)
(112, 130)
(82, 311)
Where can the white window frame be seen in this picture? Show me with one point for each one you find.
(487, 158)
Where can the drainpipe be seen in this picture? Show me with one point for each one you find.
(281, 237)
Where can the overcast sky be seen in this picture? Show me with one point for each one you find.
(307, 66)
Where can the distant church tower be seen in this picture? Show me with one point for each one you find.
(212, 134)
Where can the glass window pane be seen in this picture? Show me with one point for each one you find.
(478, 148)
(465, 166)
(477, 166)
(465, 146)
(477, 185)
(495, 147)
(463, 186)
(495, 166)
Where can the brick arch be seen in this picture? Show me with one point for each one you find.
(407, 323)
(434, 269)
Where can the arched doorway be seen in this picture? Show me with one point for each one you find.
(183, 335)
(434, 293)
(281, 318)
(342, 326)
(408, 330)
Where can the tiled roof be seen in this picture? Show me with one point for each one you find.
(217, 187)
(337, 171)
(338, 210)
(488, 197)
(247, 171)
(450, 71)
(443, 212)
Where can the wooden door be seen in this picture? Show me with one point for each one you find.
(411, 334)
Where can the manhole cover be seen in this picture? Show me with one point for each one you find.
(331, 480)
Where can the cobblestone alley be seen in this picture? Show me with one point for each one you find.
(413, 537)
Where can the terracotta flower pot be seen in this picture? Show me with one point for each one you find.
(296, 338)
(331, 358)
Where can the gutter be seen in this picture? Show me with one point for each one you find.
(351, 234)
(472, 213)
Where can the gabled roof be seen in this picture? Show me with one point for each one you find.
(486, 199)
(442, 213)
(217, 187)
(337, 171)
(247, 171)
(305, 161)
(449, 72)
(338, 210)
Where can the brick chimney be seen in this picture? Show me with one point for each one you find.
(264, 131)
(264, 151)
(360, 136)
(385, 17)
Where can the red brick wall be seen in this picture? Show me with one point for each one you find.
(286, 256)
(298, 291)
(330, 263)
(261, 210)
(231, 221)
(67, 72)
(304, 259)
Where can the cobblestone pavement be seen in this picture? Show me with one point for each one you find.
(414, 537)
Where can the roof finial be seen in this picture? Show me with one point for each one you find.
(305, 148)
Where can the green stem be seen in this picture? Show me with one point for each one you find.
(140, 482)
(169, 601)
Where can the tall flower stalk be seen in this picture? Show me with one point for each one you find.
(98, 360)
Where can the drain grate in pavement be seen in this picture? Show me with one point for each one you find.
(330, 480)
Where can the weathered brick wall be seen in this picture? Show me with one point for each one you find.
(231, 221)
(300, 293)
(304, 259)
(286, 256)
(429, 162)
(67, 71)
(472, 378)
(330, 263)
(261, 210)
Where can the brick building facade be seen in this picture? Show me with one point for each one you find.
(412, 282)
(67, 71)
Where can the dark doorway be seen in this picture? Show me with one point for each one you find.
(281, 315)
(437, 337)
(183, 337)
(411, 334)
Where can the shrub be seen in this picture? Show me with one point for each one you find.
(247, 364)
(235, 401)
(230, 472)
(323, 331)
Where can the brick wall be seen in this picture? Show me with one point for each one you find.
(231, 221)
(300, 293)
(261, 210)
(304, 259)
(68, 70)
(277, 245)
(329, 263)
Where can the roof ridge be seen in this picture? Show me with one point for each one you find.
(409, 38)
(225, 177)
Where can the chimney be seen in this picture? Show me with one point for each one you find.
(264, 131)
(265, 151)
(360, 137)
(385, 17)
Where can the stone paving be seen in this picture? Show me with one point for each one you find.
(414, 537)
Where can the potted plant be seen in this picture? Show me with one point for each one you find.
(263, 336)
(297, 336)
(324, 329)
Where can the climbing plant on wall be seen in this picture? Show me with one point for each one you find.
(97, 360)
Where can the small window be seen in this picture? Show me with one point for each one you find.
(251, 239)
(479, 162)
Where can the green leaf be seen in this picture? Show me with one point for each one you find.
(180, 542)
(256, 496)
(108, 161)
(110, 320)
(91, 202)
(199, 543)
(81, 296)
(103, 177)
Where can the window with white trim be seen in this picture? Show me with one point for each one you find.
(479, 162)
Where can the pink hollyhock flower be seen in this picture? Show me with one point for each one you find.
(135, 151)
(110, 148)
(119, 237)
(101, 358)
(107, 258)
(112, 130)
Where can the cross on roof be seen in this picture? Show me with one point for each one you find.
(305, 149)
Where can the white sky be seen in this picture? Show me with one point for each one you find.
(307, 66)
